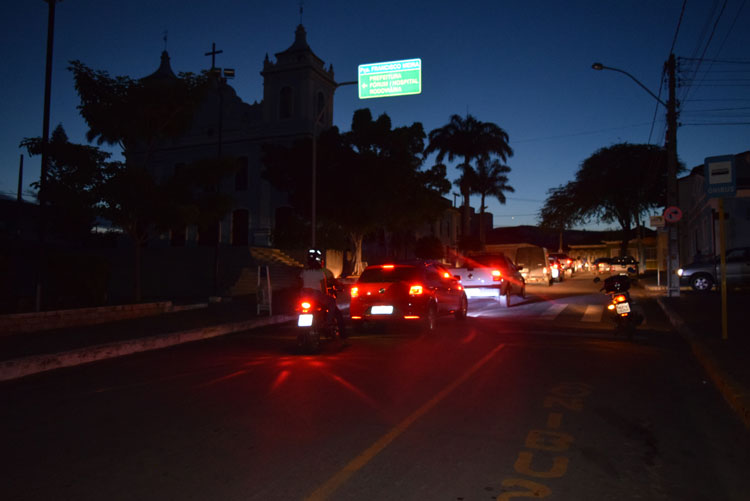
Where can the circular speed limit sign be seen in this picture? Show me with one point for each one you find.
(672, 214)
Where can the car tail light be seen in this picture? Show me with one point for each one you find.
(354, 292)
(415, 290)
(496, 275)
(446, 275)
(388, 266)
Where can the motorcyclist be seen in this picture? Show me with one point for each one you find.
(317, 283)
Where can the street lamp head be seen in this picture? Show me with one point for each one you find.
(597, 66)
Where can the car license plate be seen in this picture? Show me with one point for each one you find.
(623, 308)
(382, 310)
(305, 320)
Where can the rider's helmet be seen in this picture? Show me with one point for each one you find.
(314, 259)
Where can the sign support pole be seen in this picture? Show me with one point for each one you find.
(723, 264)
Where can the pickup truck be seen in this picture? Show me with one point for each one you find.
(490, 275)
(703, 274)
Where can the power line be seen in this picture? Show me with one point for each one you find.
(583, 133)
(708, 43)
(676, 31)
(715, 123)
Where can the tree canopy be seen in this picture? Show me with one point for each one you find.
(139, 115)
(73, 185)
(619, 183)
(469, 139)
(369, 178)
(488, 179)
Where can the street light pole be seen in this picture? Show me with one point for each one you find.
(673, 254)
(313, 218)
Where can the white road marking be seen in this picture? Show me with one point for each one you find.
(593, 313)
(553, 311)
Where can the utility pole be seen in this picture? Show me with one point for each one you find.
(45, 147)
(673, 252)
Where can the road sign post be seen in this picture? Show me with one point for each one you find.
(721, 183)
(390, 79)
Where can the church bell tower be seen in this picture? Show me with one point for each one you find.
(297, 89)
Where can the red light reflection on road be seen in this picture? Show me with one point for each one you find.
(283, 375)
(307, 366)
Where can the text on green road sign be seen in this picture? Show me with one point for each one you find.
(388, 79)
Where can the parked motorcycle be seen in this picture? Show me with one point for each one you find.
(620, 307)
(316, 321)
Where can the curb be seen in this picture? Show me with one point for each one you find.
(736, 396)
(26, 366)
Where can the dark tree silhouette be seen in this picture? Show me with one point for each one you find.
(468, 139)
(618, 183)
(370, 178)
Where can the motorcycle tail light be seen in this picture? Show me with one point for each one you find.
(620, 298)
(355, 292)
(415, 290)
(497, 275)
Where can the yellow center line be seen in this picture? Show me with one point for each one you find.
(337, 480)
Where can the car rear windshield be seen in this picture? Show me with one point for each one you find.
(395, 274)
(486, 260)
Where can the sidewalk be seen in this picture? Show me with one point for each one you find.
(30, 353)
(697, 317)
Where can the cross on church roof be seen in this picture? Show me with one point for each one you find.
(213, 55)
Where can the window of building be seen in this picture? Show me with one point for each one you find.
(285, 103)
(241, 177)
(320, 104)
(240, 226)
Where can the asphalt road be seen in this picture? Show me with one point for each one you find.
(539, 398)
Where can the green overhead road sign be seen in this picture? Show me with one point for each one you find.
(389, 79)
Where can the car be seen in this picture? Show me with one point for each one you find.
(601, 265)
(703, 274)
(490, 275)
(533, 264)
(555, 269)
(623, 265)
(566, 262)
(414, 292)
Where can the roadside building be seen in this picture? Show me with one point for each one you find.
(699, 226)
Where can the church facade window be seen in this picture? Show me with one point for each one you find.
(241, 176)
(285, 103)
(240, 226)
(320, 103)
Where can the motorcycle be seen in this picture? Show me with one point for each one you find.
(620, 307)
(316, 321)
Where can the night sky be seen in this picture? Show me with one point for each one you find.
(525, 66)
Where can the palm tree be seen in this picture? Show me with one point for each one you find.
(468, 138)
(489, 179)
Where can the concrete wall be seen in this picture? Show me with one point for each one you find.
(33, 322)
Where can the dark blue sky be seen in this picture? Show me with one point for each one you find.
(525, 66)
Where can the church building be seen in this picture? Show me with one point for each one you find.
(297, 88)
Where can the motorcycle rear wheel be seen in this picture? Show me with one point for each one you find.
(309, 341)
